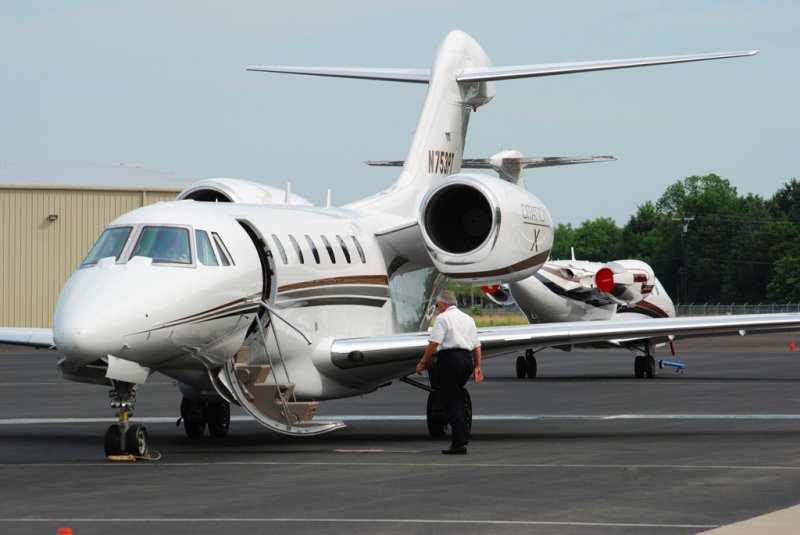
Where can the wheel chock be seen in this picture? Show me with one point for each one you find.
(122, 458)
(151, 455)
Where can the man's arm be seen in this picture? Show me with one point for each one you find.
(476, 362)
(430, 350)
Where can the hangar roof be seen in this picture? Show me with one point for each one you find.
(70, 174)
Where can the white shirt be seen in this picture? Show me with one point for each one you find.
(454, 329)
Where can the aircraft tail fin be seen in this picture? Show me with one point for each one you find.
(460, 80)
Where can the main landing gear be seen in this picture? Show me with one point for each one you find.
(644, 365)
(435, 415)
(526, 366)
(196, 415)
(125, 439)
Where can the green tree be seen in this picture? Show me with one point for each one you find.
(786, 201)
(651, 236)
(599, 240)
(785, 284)
(707, 243)
(563, 239)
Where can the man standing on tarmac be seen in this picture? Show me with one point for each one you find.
(454, 339)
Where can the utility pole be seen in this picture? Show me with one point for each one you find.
(684, 229)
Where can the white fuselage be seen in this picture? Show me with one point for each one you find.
(321, 271)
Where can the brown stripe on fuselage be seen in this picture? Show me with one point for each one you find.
(358, 279)
(513, 268)
(242, 300)
(652, 308)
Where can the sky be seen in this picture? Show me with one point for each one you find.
(162, 85)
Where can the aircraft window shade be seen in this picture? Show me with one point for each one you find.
(344, 249)
(359, 249)
(297, 249)
(281, 250)
(205, 252)
(313, 248)
(329, 249)
(110, 243)
(224, 255)
(164, 245)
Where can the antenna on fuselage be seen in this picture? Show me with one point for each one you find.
(328, 199)
(288, 193)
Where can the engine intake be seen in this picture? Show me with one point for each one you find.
(459, 219)
(482, 229)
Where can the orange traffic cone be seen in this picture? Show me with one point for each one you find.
(64, 531)
(791, 346)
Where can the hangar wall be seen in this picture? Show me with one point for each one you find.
(45, 232)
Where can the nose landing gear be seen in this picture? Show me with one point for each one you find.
(125, 441)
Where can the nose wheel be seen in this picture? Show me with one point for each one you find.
(124, 440)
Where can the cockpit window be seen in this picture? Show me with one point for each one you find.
(164, 244)
(205, 253)
(110, 243)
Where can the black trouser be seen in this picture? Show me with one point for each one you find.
(453, 368)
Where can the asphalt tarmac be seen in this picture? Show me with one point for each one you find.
(585, 448)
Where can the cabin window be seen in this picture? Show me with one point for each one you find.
(110, 243)
(297, 249)
(164, 245)
(359, 249)
(344, 248)
(281, 250)
(313, 248)
(329, 249)
(224, 255)
(205, 252)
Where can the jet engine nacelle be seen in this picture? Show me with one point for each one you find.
(238, 191)
(624, 281)
(484, 230)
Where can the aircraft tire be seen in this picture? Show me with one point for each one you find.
(638, 366)
(218, 416)
(530, 366)
(112, 440)
(194, 417)
(649, 366)
(522, 370)
(436, 417)
(136, 440)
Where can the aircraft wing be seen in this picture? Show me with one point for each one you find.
(358, 352)
(20, 336)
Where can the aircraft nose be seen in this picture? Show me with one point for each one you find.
(80, 339)
(92, 322)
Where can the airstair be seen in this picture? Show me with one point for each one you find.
(269, 400)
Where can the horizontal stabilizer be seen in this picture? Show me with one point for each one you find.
(527, 163)
(490, 74)
(510, 163)
(485, 163)
(415, 76)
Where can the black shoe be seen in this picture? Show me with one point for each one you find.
(455, 450)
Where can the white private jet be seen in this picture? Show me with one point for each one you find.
(578, 290)
(245, 297)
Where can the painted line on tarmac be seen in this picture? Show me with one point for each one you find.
(408, 521)
(418, 417)
(417, 464)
